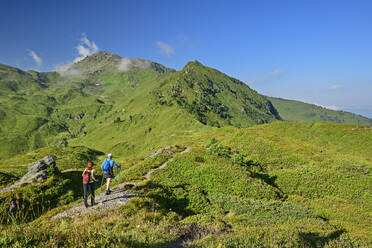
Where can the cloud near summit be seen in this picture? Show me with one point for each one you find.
(331, 107)
(165, 48)
(127, 63)
(36, 58)
(276, 74)
(84, 49)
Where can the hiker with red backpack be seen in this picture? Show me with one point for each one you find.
(88, 183)
(108, 171)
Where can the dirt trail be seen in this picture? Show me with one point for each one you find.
(148, 174)
(119, 195)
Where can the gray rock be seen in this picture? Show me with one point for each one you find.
(37, 172)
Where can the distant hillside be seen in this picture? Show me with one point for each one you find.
(51, 109)
(291, 110)
(104, 93)
(214, 98)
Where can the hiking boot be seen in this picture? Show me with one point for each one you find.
(86, 203)
(108, 192)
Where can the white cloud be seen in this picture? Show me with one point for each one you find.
(67, 71)
(84, 48)
(276, 74)
(124, 64)
(35, 57)
(335, 87)
(127, 63)
(333, 107)
(252, 80)
(165, 48)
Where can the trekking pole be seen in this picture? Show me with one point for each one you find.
(102, 179)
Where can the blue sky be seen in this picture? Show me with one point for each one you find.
(314, 51)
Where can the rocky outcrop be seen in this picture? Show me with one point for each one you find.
(37, 172)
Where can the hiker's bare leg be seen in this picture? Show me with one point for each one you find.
(108, 183)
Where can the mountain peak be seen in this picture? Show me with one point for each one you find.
(192, 64)
(102, 56)
(106, 62)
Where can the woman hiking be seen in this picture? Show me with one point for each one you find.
(88, 182)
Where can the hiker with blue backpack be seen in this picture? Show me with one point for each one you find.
(108, 171)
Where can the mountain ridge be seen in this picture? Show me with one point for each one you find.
(39, 109)
(105, 55)
(101, 85)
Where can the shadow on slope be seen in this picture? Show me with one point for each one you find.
(317, 240)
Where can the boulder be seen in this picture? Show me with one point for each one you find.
(37, 172)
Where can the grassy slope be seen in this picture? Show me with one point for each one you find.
(278, 184)
(326, 187)
(44, 109)
(23, 109)
(291, 110)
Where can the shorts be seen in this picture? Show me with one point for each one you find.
(108, 175)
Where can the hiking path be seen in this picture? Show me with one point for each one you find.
(120, 194)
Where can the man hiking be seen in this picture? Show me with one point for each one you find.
(88, 183)
(108, 171)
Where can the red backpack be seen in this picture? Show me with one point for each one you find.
(86, 177)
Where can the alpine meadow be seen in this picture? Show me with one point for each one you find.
(206, 161)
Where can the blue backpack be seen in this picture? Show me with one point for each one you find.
(106, 166)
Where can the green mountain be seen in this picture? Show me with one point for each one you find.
(106, 92)
(229, 174)
(214, 98)
(291, 110)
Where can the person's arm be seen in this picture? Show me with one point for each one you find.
(83, 172)
(117, 166)
(93, 176)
